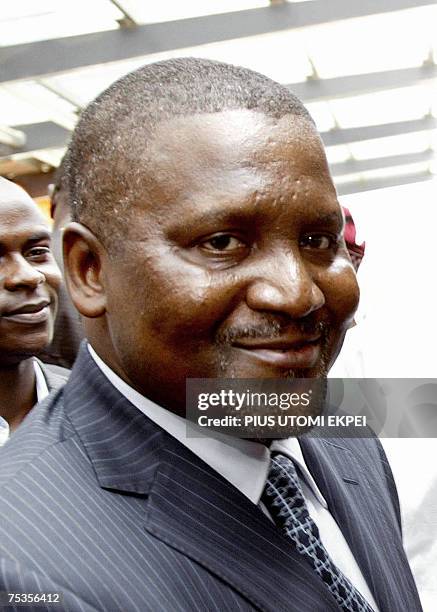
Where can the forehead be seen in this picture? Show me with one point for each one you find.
(234, 138)
(19, 215)
(235, 160)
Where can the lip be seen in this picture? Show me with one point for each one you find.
(302, 353)
(29, 314)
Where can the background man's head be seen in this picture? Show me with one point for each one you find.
(29, 277)
(210, 241)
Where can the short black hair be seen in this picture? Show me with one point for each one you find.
(60, 182)
(107, 148)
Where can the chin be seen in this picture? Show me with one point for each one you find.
(34, 345)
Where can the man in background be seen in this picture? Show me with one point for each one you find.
(29, 282)
(68, 332)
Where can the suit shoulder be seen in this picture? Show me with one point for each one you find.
(45, 426)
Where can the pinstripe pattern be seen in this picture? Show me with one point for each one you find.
(98, 502)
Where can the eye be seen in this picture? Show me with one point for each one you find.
(38, 253)
(223, 243)
(319, 242)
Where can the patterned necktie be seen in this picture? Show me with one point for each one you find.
(283, 498)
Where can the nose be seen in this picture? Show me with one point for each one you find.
(18, 273)
(284, 285)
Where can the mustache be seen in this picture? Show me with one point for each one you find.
(272, 328)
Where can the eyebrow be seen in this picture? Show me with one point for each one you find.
(33, 238)
(222, 215)
(335, 217)
(232, 215)
(38, 236)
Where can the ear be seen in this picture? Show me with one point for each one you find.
(83, 254)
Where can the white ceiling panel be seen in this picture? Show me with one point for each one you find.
(384, 106)
(322, 115)
(28, 102)
(394, 145)
(372, 44)
(27, 21)
(338, 154)
(170, 10)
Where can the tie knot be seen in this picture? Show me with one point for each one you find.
(282, 472)
(282, 494)
(281, 462)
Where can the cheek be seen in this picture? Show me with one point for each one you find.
(192, 306)
(177, 297)
(53, 276)
(341, 290)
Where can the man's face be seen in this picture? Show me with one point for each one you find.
(29, 277)
(234, 265)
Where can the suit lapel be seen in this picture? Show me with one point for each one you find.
(121, 443)
(360, 503)
(194, 510)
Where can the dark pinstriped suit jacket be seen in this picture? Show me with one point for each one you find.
(98, 502)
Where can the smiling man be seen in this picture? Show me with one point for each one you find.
(29, 281)
(206, 242)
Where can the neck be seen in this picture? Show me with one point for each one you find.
(17, 391)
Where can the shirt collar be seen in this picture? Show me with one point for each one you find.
(42, 389)
(241, 462)
(4, 431)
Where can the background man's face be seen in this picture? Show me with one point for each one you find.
(29, 277)
(234, 264)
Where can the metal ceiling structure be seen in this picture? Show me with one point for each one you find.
(59, 55)
(52, 79)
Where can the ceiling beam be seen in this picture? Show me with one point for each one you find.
(352, 166)
(315, 90)
(38, 136)
(47, 57)
(49, 134)
(339, 136)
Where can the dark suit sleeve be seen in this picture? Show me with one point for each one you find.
(16, 579)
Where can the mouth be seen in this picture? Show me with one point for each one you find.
(283, 353)
(29, 314)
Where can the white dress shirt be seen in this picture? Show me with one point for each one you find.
(41, 393)
(245, 465)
